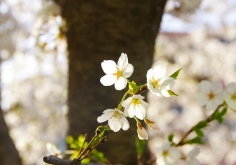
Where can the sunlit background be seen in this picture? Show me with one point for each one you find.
(198, 36)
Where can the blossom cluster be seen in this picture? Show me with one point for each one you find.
(212, 94)
(133, 106)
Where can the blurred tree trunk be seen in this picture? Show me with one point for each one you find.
(101, 30)
(8, 152)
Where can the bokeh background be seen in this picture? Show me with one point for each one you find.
(198, 36)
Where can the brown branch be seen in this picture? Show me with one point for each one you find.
(56, 161)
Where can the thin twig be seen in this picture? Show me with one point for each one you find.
(208, 120)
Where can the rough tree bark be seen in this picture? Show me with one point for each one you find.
(8, 152)
(101, 30)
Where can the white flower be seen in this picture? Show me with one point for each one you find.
(211, 94)
(152, 124)
(190, 158)
(52, 149)
(167, 155)
(116, 119)
(117, 74)
(230, 95)
(158, 83)
(135, 106)
(142, 133)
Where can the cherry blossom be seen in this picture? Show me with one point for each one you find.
(157, 81)
(117, 73)
(230, 95)
(135, 106)
(211, 94)
(167, 155)
(116, 119)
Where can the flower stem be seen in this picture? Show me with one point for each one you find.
(207, 120)
(123, 98)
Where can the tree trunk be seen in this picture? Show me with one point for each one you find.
(101, 30)
(8, 152)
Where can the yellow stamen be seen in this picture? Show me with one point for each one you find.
(211, 96)
(135, 102)
(233, 96)
(118, 74)
(165, 153)
(116, 115)
(155, 83)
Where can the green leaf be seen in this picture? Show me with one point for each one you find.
(69, 139)
(80, 140)
(200, 125)
(85, 161)
(196, 140)
(99, 156)
(199, 132)
(170, 138)
(218, 115)
(172, 93)
(175, 75)
(74, 146)
(133, 88)
(103, 128)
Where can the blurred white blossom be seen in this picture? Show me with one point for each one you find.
(167, 155)
(230, 95)
(211, 94)
(53, 150)
(191, 157)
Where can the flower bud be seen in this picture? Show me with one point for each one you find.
(142, 133)
(152, 124)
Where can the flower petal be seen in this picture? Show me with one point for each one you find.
(168, 83)
(193, 161)
(109, 67)
(205, 86)
(174, 155)
(128, 71)
(202, 99)
(229, 93)
(130, 111)
(140, 112)
(114, 124)
(165, 93)
(159, 72)
(149, 74)
(105, 116)
(122, 61)
(216, 86)
(120, 83)
(194, 152)
(125, 123)
(127, 102)
(211, 105)
(142, 133)
(108, 80)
